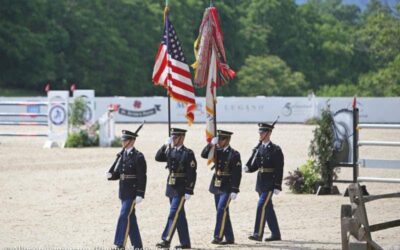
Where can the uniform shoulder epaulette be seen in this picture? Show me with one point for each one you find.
(189, 151)
(277, 147)
(139, 154)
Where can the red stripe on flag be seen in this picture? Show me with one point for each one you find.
(180, 97)
(182, 85)
(163, 59)
(180, 71)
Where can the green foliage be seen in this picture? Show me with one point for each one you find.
(324, 45)
(304, 179)
(269, 75)
(81, 139)
(18, 92)
(379, 37)
(77, 115)
(311, 121)
(321, 147)
(339, 90)
(117, 142)
(384, 82)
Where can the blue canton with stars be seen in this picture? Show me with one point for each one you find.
(174, 45)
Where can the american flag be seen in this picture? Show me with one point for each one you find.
(172, 72)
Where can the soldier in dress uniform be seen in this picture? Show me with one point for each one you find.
(267, 158)
(224, 184)
(130, 170)
(182, 165)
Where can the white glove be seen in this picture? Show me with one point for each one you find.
(233, 196)
(214, 141)
(108, 175)
(138, 199)
(168, 141)
(277, 191)
(187, 197)
(245, 169)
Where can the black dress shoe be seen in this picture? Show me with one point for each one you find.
(255, 238)
(183, 247)
(228, 242)
(216, 241)
(273, 238)
(163, 244)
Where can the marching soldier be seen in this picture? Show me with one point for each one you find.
(267, 158)
(224, 184)
(182, 166)
(131, 172)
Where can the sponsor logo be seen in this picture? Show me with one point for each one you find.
(142, 113)
(57, 115)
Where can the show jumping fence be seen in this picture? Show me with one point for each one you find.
(55, 117)
(369, 163)
(26, 115)
(355, 228)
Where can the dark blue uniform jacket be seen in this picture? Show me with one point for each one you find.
(131, 173)
(228, 170)
(182, 167)
(269, 162)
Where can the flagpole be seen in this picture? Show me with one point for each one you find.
(168, 80)
(215, 108)
(215, 94)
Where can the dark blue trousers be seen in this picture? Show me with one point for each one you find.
(177, 220)
(127, 225)
(223, 226)
(266, 213)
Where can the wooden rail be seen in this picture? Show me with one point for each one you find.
(354, 220)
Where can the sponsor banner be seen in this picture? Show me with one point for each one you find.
(252, 109)
(371, 109)
(132, 109)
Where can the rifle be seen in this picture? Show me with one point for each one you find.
(140, 127)
(112, 168)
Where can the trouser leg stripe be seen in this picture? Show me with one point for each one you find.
(128, 224)
(262, 219)
(221, 231)
(171, 229)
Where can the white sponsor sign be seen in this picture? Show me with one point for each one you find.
(57, 118)
(57, 107)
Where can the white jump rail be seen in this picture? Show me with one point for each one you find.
(379, 143)
(56, 116)
(379, 126)
(378, 179)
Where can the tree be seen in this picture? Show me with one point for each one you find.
(269, 75)
(379, 35)
(384, 82)
(321, 148)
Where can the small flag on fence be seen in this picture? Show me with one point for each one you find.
(73, 87)
(47, 87)
(171, 70)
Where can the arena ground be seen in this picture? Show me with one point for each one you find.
(60, 198)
